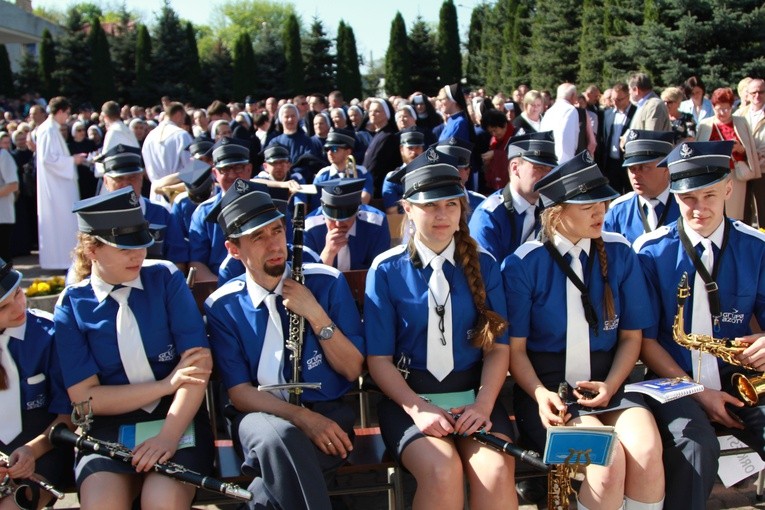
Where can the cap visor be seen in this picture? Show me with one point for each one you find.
(257, 222)
(124, 171)
(230, 162)
(636, 160)
(696, 182)
(436, 194)
(132, 241)
(538, 160)
(339, 213)
(592, 196)
(9, 283)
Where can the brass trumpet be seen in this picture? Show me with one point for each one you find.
(749, 389)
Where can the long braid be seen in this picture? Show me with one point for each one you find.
(490, 324)
(608, 296)
(3, 378)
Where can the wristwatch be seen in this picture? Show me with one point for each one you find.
(327, 331)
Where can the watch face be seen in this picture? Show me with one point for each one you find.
(327, 332)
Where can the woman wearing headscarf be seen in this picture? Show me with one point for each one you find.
(427, 117)
(383, 154)
(79, 143)
(451, 100)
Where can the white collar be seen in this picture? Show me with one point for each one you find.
(663, 197)
(563, 245)
(17, 332)
(102, 289)
(520, 204)
(427, 255)
(716, 237)
(257, 293)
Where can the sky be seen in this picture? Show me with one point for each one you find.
(370, 19)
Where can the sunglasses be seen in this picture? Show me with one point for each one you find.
(334, 149)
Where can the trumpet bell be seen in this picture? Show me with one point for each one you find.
(749, 388)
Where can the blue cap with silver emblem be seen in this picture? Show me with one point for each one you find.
(114, 218)
(645, 146)
(697, 165)
(341, 198)
(430, 177)
(577, 181)
(244, 208)
(537, 148)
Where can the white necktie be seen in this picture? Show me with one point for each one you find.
(10, 398)
(528, 223)
(344, 258)
(130, 344)
(271, 364)
(701, 323)
(653, 220)
(577, 329)
(440, 357)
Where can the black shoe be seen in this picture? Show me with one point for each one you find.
(532, 490)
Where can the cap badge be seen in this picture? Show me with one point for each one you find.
(686, 151)
(120, 148)
(337, 190)
(432, 156)
(588, 157)
(452, 141)
(241, 187)
(156, 235)
(133, 199)
(632, 134)
(582, 188)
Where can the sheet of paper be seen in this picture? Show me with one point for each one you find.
(734, 468)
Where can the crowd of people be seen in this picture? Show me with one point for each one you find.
(513, 209)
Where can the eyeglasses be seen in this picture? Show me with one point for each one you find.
(333, 149)
(232, 170)
(721, 109)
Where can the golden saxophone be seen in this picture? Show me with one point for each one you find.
(559, 486)
(350, 168)
(750, 389)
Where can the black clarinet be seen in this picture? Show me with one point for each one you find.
(18, 488)
(62, 436)
(297, 322)
(528, 456)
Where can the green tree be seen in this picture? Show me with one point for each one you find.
(271, 64)
(102, 81)
(73, 60)
(218, 71)
(122, 43)
(244, 64)
(423, 58)
(293, 76)
(373, 78)
(194, 71)
(449, 51)
(232, 18)
(397, 60)
(591, 59)
(47, 64)
(28, 77)
(554, 53)
(170, 55)
(520, 42)
(143, 90)
(6, 75)
(475, 64)
(492, 44)
(319, 60)
(348, 73)
(620, 17)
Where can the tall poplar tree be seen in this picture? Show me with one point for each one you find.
(28, 77)
(47, 64)
(294, 79)
(423, 58)
(244, 65)
(143, 89)
(449, 51)
(218, 71)
(270, 64)
(318, 59)
(348, 73)
(73, 61)
(102, 81)
(170, 51)
(122, 43)
(591, 58)
(6, 75)
(193, 68)
(554, 53)
(397, 59)
(475, 64)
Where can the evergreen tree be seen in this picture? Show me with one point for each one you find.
(73, 61)
(423, 58)
(6, 75)
(554, 53)
(620, 17)
(293, 75)
(194, 70)
(591, 58)
(270, 64)
(143, 91)
(170, 56)
(397, 60)
(508, 53)
(348, 75)
(28, 77)
(122, 44)
(102, 82)
(47, 64)
(244, 65)
(449, 51)
(218, 71)
(475, 65)
(492, 44)
(318, 59)
(520, 42)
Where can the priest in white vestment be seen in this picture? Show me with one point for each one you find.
(56, 189)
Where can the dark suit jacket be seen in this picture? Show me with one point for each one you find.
(604, 145)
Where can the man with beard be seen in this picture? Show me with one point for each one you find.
(298, 445)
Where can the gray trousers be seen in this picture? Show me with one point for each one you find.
(691, 448)
(290, 472)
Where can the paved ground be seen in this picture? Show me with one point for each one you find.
(741, 497)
